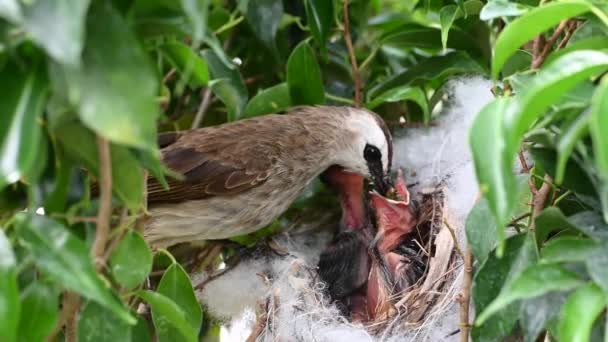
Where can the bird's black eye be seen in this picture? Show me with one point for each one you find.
(371, 153)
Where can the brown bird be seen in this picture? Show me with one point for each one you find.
(239, 176)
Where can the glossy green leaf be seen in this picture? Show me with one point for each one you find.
(549, 220)
(520, 252)
(320, 19)
(175, 285)
(264, 16)
(10, 306)
(418, 36)
(549, 85)
(568, 248)
(533, 281)
(98, 324)
(447, 15)
(131, 261)
(66, 260)
(598, 124)
(192, 67)
(436, 68)
(495, 177)
(481, 230)
(517, 63)
(592, 43)
(227, 84)
(270, 100)
(115, 92)
(127, 175)
(415, 94)
(579, 312)
(57, 26)
(23, 99)
(597, 266)
(39, 312)
(567, 141)
(528, 26)
(196, 11)
(539, 313)
(502, 8)
(166, 314)
(304, 77)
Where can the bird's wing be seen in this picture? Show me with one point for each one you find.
(216, 161)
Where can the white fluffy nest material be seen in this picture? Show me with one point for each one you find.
(279, 298)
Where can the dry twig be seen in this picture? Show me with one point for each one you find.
(67, 318)
(540, 198)
(105, 203)
(202, 109)
(541, 54)
(351, 54)
(465, 296)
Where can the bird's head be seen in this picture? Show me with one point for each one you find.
(368, 150)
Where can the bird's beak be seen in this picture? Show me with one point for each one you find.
(381, 181)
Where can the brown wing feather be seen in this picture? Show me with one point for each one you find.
(216, 161)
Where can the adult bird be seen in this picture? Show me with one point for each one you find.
(238, 177)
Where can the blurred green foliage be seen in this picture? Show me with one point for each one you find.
(73, 71)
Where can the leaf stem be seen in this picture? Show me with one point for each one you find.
(339, 99)
(351, 53)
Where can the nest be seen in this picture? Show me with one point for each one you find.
(307, 303)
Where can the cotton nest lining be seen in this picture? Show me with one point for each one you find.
(276, 295)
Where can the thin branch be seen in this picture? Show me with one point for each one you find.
(573, 26)
(541, 55)
(522, 160)
(105, 202)
(67, 318)
(540, 198)
(351, 53)
(465, 296)
(453, 234)
(202, 109)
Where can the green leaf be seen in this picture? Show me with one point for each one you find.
(568, 248)
(539, 312)
(518, 62)
(415, 94)
(264, 16)
(567, 141)
(227, 84)
(197, 12)
(115, 92)
(549, 220)
(579, 312)
(269, 100)
(39, 312)
(530, 25)
(532, 282)
(175, 285)
(597, 266)
(320, 19)
(97, 323)
(418, 36)
(495, 177)
(131, 261)
(502, 8)
(66, 260)
(447, 15)
(481, 230)
(127, 175)
(23, 99)
(520, 252)
(57, 26)
(166, 314)
(592, 43)
(304, 77)
(192, 67)
(9, 291)
(436, 68)
(598, 124)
